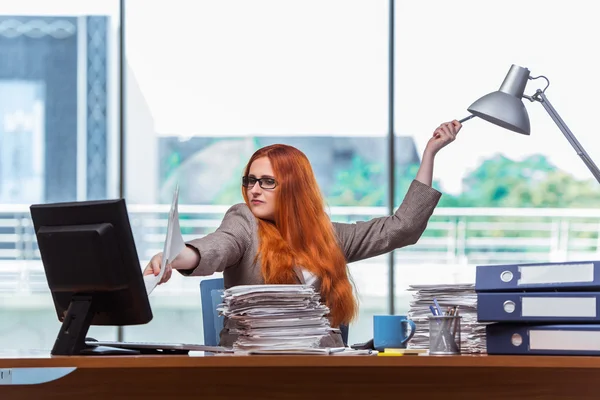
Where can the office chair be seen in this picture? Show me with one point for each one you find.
(211, 291)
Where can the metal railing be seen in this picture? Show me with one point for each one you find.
(454, 236)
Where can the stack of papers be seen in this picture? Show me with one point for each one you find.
(461, 295)
(275, 317)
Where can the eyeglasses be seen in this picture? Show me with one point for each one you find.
(265, 183)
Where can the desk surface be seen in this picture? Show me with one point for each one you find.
(41, 359)
(301, 377)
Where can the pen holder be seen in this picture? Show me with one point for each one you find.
(444, 335)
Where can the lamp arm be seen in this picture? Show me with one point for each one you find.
(541, 97)
(466, 118)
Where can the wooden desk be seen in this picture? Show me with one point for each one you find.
(304, 377)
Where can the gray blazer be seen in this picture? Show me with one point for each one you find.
(232, 248)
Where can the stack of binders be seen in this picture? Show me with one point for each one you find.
(541, 308)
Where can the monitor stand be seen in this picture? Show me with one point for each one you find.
(71, 337)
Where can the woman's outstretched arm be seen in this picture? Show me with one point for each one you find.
(442, 136)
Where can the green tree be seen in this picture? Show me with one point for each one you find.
(559, 189)
(366, 184)
(404, 177)
(532, 182)
(360, 185)
(499, 178)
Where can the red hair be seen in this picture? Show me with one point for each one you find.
(302, 233)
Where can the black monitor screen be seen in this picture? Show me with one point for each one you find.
(92, 267)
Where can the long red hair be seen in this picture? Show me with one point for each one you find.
(302, 233)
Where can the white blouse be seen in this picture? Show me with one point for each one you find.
(309, 277)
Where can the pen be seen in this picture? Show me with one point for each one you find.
(437, 306)
(447, 324)
(456, 322)
(442, 335)
(336, 349)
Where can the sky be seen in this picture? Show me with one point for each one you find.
(315, 67)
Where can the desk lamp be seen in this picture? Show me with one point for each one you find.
(505, 108)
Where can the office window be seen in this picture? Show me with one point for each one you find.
(448, 54)
(210, 82)
(58, 138)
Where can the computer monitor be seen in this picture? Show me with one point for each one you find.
(92, 268)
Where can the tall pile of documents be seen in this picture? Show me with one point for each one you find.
(275, 317)
(447, 295)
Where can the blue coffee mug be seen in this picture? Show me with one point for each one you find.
(391, 331)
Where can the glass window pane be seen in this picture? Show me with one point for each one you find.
(210, 82)
(449, 58)
(58, 119)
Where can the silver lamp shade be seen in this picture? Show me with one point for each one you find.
(505, 107)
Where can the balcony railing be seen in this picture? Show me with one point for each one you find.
(454, 236)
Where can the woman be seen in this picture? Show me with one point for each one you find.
(282, 233)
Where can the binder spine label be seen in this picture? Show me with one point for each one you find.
(564, 340)
(556, 273)
(559, 307)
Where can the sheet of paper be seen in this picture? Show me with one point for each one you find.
(173, 244)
